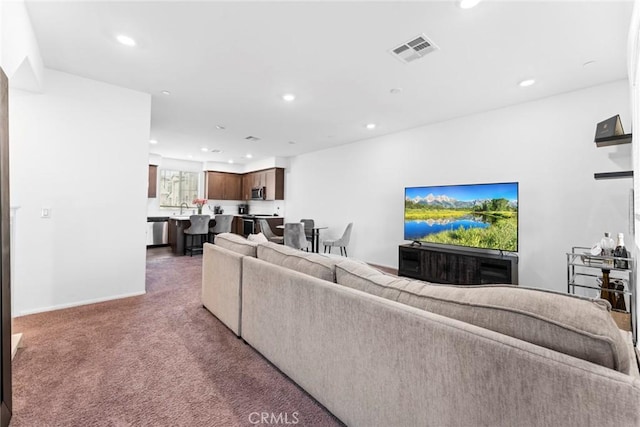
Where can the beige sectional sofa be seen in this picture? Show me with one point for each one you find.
(379, 350)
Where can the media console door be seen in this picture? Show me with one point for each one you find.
(457, 267)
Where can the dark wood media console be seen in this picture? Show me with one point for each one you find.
(458, 266)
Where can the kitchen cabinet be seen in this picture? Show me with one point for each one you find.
(247, 184)
(152, 189)
(274, 182)
(231, 186)
(223, 186)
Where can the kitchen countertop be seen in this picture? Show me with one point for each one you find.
(186, 217)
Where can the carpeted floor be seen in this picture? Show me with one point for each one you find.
(160, 359)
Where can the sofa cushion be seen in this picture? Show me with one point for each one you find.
(236, 243)
(309, 263)
(576, 326)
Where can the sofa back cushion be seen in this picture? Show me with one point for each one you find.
(568, 324)
(236, 243)
(308, 263)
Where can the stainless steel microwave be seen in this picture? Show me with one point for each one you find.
(258, 193)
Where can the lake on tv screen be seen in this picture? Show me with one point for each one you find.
(421, 229)
(482, 216)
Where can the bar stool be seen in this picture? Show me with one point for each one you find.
(199, 227)
(222, 225)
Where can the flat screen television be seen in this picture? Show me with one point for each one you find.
(473, 215)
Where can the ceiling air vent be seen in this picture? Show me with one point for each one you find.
(252, 138)
(414, 49)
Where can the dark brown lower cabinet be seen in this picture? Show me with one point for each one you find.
(5, 258)
(459, 266)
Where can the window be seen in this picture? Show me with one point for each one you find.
(177, 187)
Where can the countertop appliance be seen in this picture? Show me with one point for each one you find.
(243, 209)
(258, 193)
(157, 230)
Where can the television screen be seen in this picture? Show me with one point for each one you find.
(475, 215)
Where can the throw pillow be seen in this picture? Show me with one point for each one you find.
(258, 238)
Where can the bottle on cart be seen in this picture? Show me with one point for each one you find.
(607, 246)
(605, 294)
(619, 298)
(621, 252)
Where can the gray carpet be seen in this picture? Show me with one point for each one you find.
(160, 359)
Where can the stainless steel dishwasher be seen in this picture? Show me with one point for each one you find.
(157, 230)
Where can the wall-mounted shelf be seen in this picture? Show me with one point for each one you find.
(613, 175)
(613, 140)
(606, 142)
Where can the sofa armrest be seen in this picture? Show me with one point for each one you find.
(222, 285)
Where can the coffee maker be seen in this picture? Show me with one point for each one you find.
(243, 209)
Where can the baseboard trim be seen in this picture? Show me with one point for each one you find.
(16, 340)
(78, 303)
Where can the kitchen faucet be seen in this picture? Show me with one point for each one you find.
(186, 205)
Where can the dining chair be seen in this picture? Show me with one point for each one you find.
(200, 228)
(268, 233)
(342, 242)
(222, 225)
(294, 236)
(308, 228)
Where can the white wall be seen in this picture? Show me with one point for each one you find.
(19, 52)
(79, 148)
(546, 145)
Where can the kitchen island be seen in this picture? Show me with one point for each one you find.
(177, 225)
(242, 224)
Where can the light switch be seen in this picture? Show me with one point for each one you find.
(46, 213)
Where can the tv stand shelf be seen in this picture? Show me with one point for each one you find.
(456, 265)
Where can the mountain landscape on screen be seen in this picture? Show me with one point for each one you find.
(475, 215)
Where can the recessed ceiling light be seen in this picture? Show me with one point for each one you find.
(468, 4)
(205, 149)
(230, 161)
(166, 92)
(248, 156)
(126, 40)
(371, 125)
(288, 97)
(153, 141)
(219, 127)
(527, 82)
(190, 156)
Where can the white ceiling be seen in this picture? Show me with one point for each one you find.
(228, 63)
